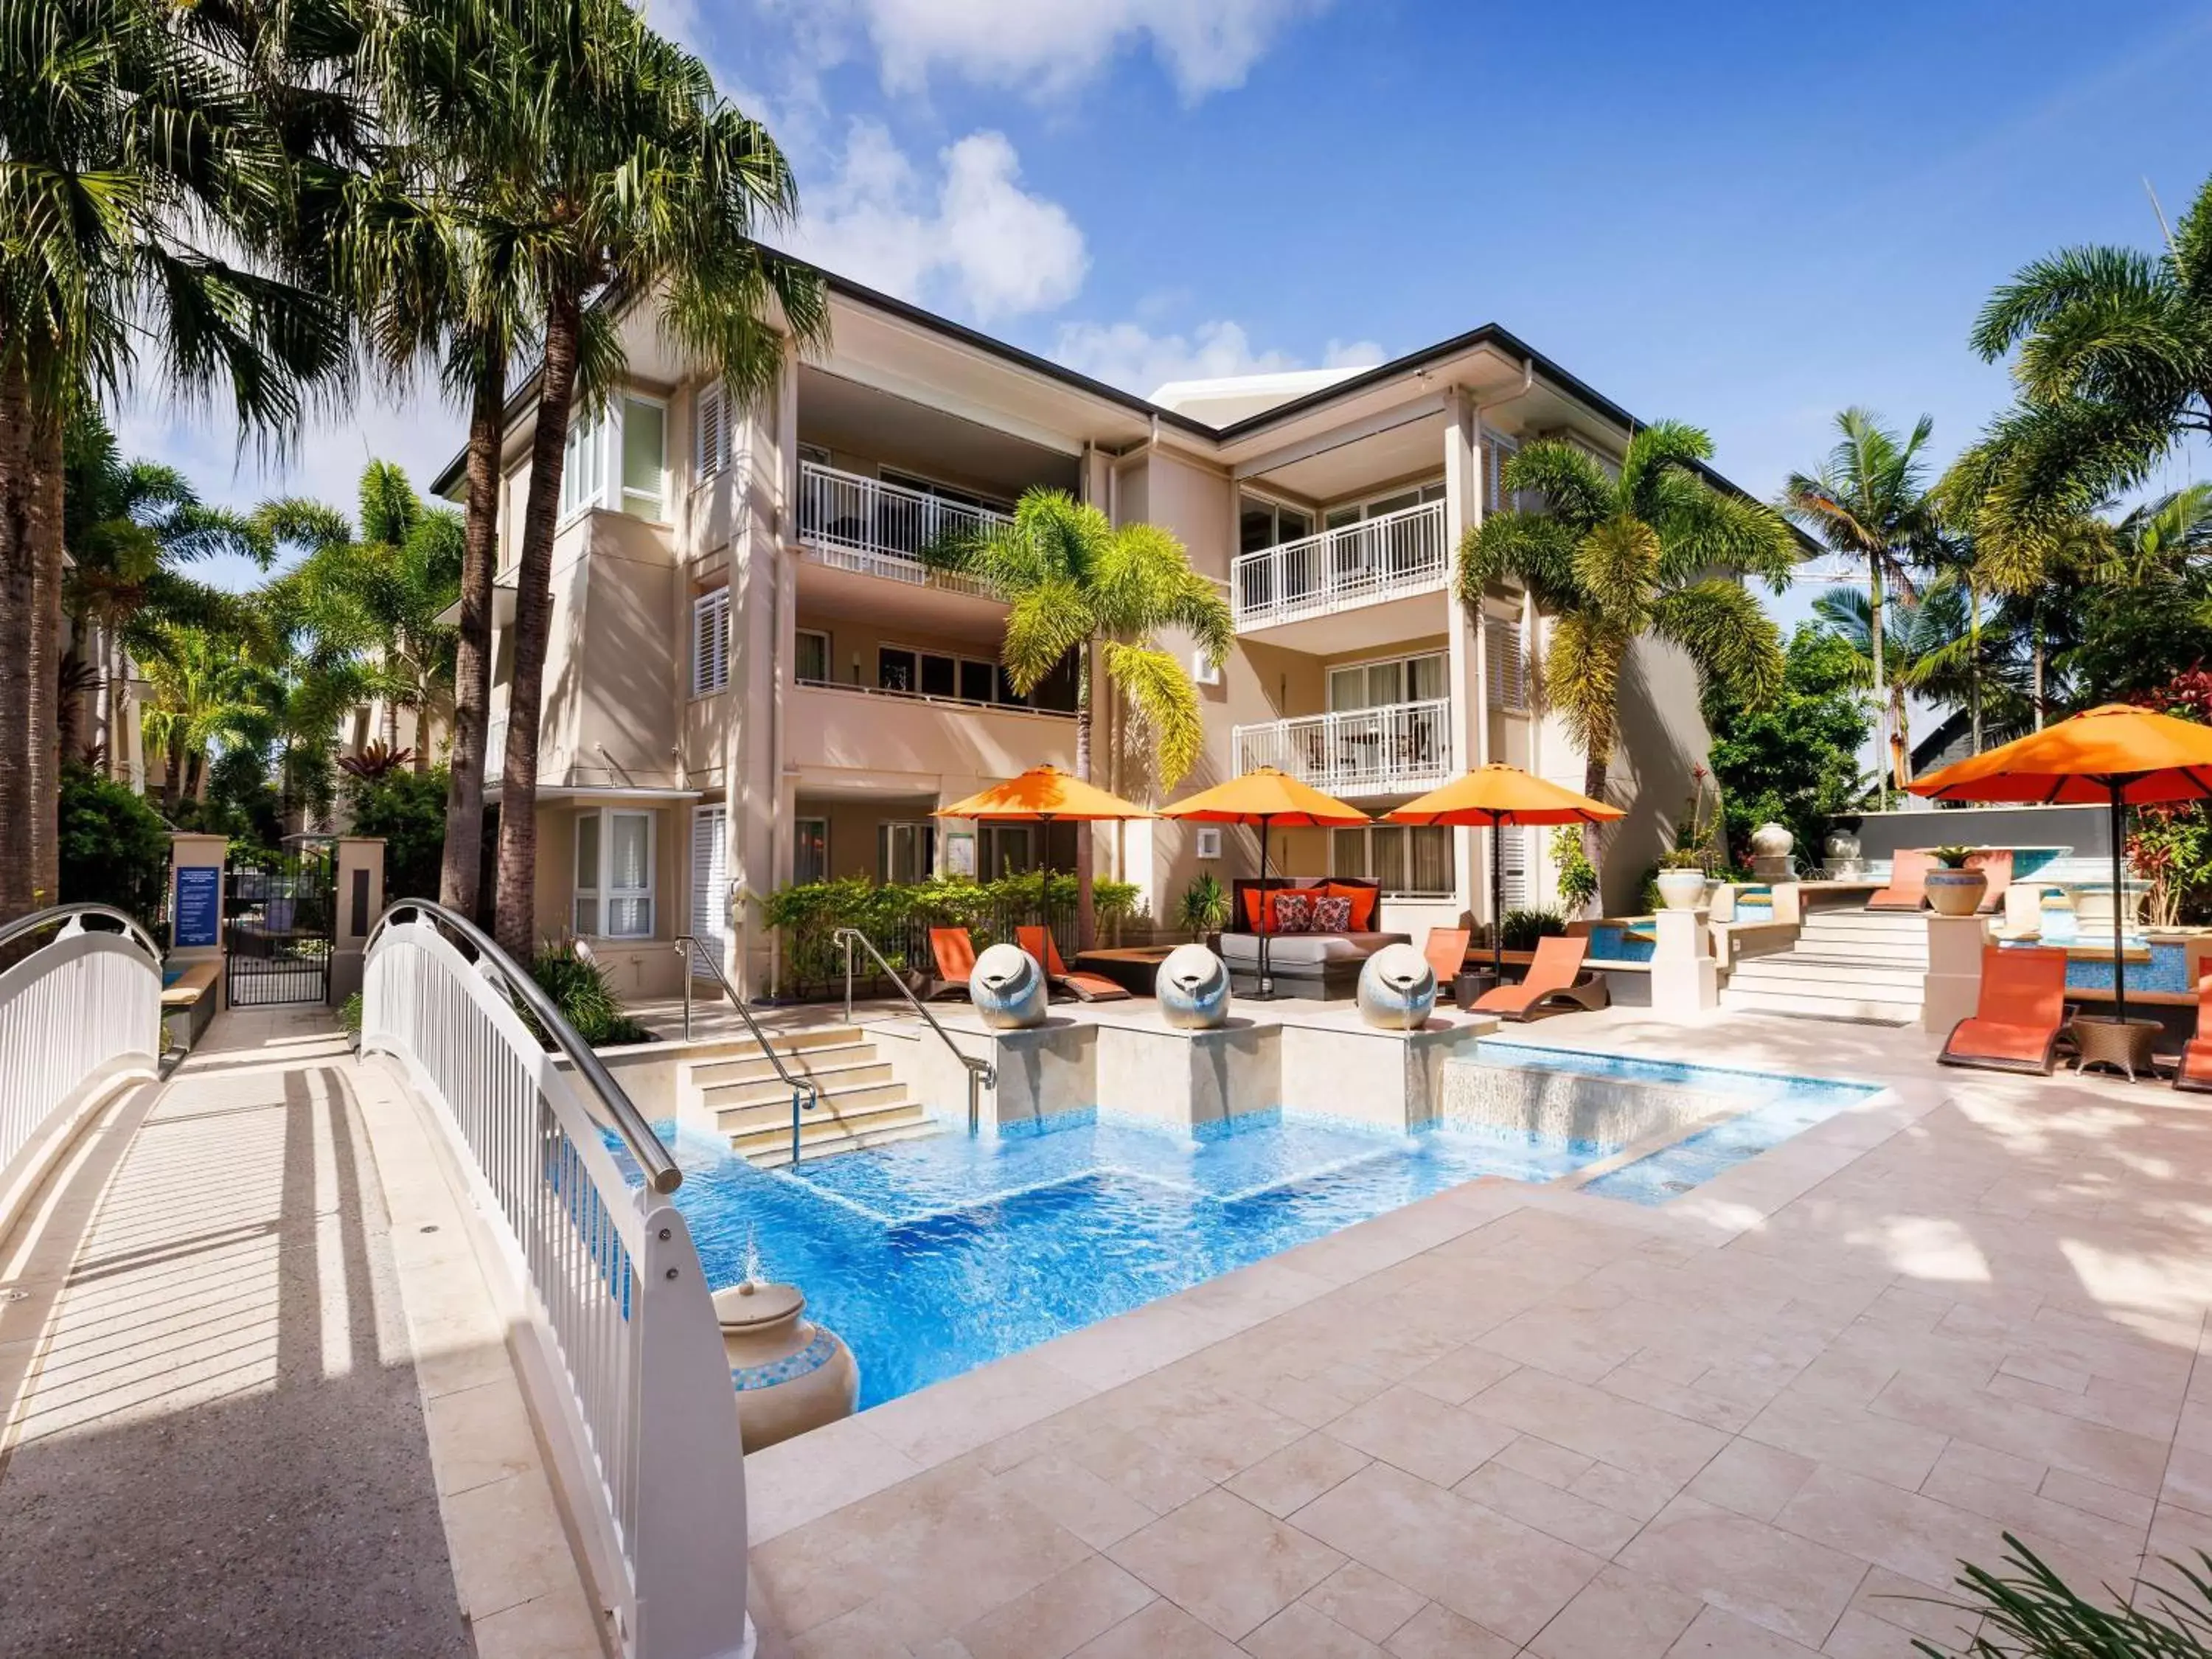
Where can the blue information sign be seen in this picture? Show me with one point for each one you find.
(200, 900)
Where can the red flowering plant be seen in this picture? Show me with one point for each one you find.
(2171, 846)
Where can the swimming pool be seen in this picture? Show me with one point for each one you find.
(934, 1256)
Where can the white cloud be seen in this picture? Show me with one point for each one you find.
(971, 239)
(1047, 48)
(1131, 357)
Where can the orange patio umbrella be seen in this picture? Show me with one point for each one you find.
(1497, 795)
(1042, 795)
(2116, 755)
(1266, 796)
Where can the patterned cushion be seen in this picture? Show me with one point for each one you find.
(1332, 915)
(1293, 913)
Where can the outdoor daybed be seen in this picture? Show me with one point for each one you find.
(1308, 962)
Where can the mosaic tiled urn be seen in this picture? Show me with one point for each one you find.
(1192, 987)
(1397, 990)
(1008, 987)
(791, 1375)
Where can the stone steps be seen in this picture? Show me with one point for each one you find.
(860, 1103)
(1854, 965)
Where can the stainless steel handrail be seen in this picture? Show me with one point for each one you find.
(661, 1171)
(979, 1072)
(799, 1086)
(53, 916)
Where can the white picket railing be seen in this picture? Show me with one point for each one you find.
(1393, 749)
(879, 529)
(82, 1010)
(1383, 557)
(643, 1399)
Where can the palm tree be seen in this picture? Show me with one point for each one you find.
(147, 146)
(2112, 352)
(1657, 551)
(1870, 501)
(203, 694)
(638, 180)
(1077, 586)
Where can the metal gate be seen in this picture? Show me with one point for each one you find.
(276, 931)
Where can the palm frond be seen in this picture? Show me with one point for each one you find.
(1163, 705)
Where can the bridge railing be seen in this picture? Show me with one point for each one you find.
(78, 1010)
(641, 1400)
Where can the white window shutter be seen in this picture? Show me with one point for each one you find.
(1513, 848)
(710, 641)
(710, 871)
(711, 430)
(1509, 663)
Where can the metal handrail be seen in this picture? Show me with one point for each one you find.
(801, 1087)
(979, 1072)
(55, 915)
(661, 1170)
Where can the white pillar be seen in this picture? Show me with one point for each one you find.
(1464, 664)
(1685, 979)
(1953, 987)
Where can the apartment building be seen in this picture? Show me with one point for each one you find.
(752, 680)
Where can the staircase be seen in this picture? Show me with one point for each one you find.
(1846, 964)
(860, 1105)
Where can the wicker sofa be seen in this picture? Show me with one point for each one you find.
(1308, 964)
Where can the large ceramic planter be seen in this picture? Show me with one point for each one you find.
(791, 1375)
(1681, 890)
(1956, 892)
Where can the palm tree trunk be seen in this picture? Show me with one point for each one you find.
(1974, 660)
(515, 920)
(46, 653)
(1882, 762)
(1086, 913)
(463, 859)
(2035, 681)
(18, 584)
(172, 774)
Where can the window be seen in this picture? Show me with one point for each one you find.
(1269, 524)
(614, 874)
(940, 676)
(1339, 517)
(710, 878)
(645, 457)
(976, 679)
(710, 641)
(906, 852)
(1513, 865)
(896, 669)
(710, 431)
(902, 668)
(584, 465)
(1410, 861)
(1008, 849)
(1508, 662)
(810, 850)
(1381, 684)
(812, 667)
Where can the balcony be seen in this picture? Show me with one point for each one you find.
(840, 731)
(1402, 748)
(879, 528)
(1390, 556)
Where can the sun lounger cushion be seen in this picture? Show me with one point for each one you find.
(2018, 1016)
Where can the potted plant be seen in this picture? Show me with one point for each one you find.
(1203, 909)
(1953, 889)
(1682, 879)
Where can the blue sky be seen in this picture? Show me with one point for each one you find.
(1747, 219)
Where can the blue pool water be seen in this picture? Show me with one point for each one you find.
(934, 1256)
(170, 976)
(1609, 942)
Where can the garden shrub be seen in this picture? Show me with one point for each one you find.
(1522, 928)
(114, 847)
(409, 810)
(579, 988)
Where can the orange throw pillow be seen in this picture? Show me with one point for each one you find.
(1363, 905)
(1253, 896)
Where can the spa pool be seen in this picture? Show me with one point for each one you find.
(934, 1256)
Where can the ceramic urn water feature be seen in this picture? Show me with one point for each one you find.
(791, 1375)
(1008, 987)
(1845, 856)
(1397, 990)
(1192, 987)
(1771, 847)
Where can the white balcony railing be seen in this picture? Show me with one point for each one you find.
(879, 529)
(1380, 558)
(1395, 750)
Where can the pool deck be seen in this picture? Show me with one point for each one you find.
(1758, 1421)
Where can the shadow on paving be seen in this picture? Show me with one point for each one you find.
(223, 1449)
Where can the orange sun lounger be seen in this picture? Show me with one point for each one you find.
(2195, 1072)
(956, 960)
(1554, 976)
(1908, 880)
(1085, 988)
(2017, 1022)
(1446, 952)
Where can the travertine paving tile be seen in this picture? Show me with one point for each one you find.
(1059, 1616)
(1231, 1564)
(1363, 1599)
(1301, 1632)
(1751, 1478)
(1787, 1584)
(1421, 1435)
(1293, 1477)
(1618, 1615)
(1160, 1630)
(1437, 1632)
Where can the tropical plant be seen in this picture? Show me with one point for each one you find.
(578, 985)
(157, 161)
(1870, 501)
(376, 762)
(639, 182)
(114, 848)
(1953, 855)
(1657, 551)
(1796, 761)
(201, 695)
(2031, 1612)
(1522, 928)
(1203, 907)
(2111, 351)
(407, 809)
(1578, 875)
(2143, 599)
(1077, 586)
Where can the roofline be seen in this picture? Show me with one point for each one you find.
(1489, 334)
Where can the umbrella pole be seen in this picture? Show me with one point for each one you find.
(1497, 903)
(1266, 990)
(2119, 906)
